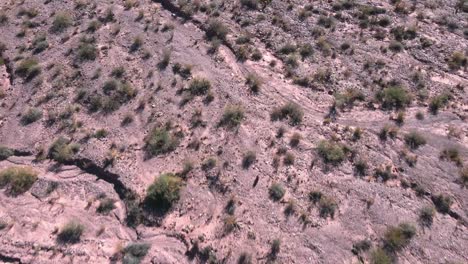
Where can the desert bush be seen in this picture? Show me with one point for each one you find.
(39, 43)
(439, 102)
(70, 233)
(361, 167)
(384, 173)
(244, 258)
(160, 141)
(199, 86)
(209, 164)
(387, 131)
(327, 207)
(5, 153)
(347, 99)
(398, 237)
(3, 18)
(135, 252)
(290, 111)
(30, 116)
(118, 72)
(451, 154)
(326, 22)
(254, 82)
(249, 158)
(457, 61)
(357, 134)
(185, 71)
(63, 150)
(137, 43)
(331, 152)
(393, 97)
(93, 26)
(61, 22)
(464, 176)
(361, 246)
(232, 116)
(315, 196)
(28, 68)
(287, 48)
(395, 46)
(106, 205)
(289, 159)
(426, 215)
(414, 140)
(230, 224)
(17, 180)
(275, 248)
(250, 4)
(442, 203)
(306, 50)
(295, 140)
(86, 51)
(380, 256)
(276, 191)
(216, 30)
(163, 192)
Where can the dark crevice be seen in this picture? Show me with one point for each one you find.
(8, 259)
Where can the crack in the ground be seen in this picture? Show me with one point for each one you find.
(8, 259)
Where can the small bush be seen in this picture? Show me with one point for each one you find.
(426, 215)
(414, 140)
(216, 30)
(28, 69)
(5, 153)
(209, 164)
(275, 248)
(17, 180)
(199, 86)
(398, 237)
(331, 152)
(86, 51)
(163, 192)
(135, 252)
(289, 159)
(160, 141)
(451, 154)
(61, 22)
(327, 207)
(290, 111)
(464, 176)
(254, 83)
(380, 256)
(361, 167)
(442, 203)
(30, 116)
(63, 150)
(249, 158)
(250, 4)
(70, 233)
(384, 173)
(361, 246)
(439, 102)
(396, 46)
(106, 205)
(295, 140)
(137, 43)
(457, 60)
(166, 58)
(244, 258)
(232, 116)
(393, 97)
(387, 131)
(347, 99)
(230, 224)
(276, 191)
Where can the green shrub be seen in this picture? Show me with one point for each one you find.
(387, 131)
(63, 150)
(396, 46)
(30, 116)
(70, 233)
(216, 30)
(385, 174)
(166, 58)
(315, 196)
(86, 51)
(398, 237)
(137, 43)
(414, 140)
(295, 140)
(135, 252)
(244, 258)
(275, 248)
(163, 192)
(199, 86)
(249, 158)
(361, 167)
(457, 60)
(393, 97)
(380, 256)
(17, 180)
(327, 207)
(442, 203)
(5, 153)
(276, 191)
(290, 111)
(439, 102)
(347, 99)
(254, 83)
(232, 116)
(61, 22)
(289, 159)
(106, 205)
(39, 43)
(250, 4)
(426, 215)
(331, 152)
(160, 141)
(451, 154)
(28, 68)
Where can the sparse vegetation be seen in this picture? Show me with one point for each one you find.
(249, 158)
(160, 140)
(63, 150)
(28, 69)
(290, 111)
(216, 30)
(254, 82)
(426, 215)
(17, 180)
(232, 116)
(439, 102)
(70, 233)
(398, 237)
(5, 153)
(331, 152)
(457, 60)
(61, 22)
(276, 191)
(393, 97)
(380, 256)
(31, 115)
(135, 252)
(106, 205)
(414, 140)
(199, 86)
(442, 203)
(452, 154)
(163, 193)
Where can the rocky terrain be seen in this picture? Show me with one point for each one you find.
(244, 131)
